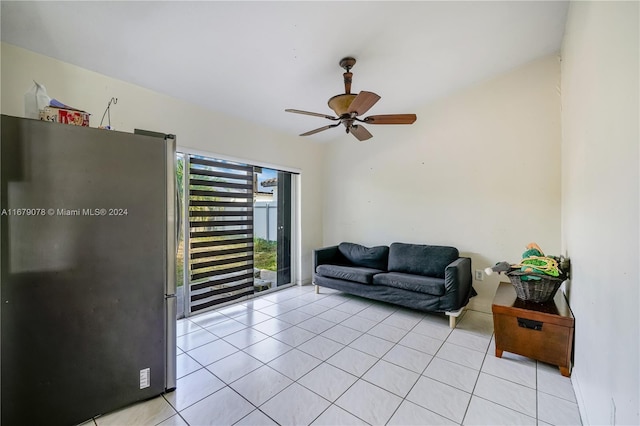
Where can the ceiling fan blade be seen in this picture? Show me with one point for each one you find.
(360, 132)
(320, 129)
(315, 114)
(391, 119)
(363, 102)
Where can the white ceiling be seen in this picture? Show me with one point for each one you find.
(254, 59)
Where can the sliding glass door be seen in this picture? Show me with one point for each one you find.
(236, 238)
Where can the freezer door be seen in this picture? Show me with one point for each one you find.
(173, 214)
(84, 279)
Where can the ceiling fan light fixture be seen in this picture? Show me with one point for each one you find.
(340, 103)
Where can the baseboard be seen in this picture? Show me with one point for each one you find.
(307, 281)
(575, 382)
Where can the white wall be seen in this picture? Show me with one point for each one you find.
(600, 216)
(195, 127)
(479, 170)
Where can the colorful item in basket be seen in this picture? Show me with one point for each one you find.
(534, 261)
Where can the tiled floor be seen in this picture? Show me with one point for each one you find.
(297, 358)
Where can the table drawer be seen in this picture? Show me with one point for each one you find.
(550, 343)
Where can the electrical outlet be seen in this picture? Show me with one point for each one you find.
(145, 378)
(479, 275)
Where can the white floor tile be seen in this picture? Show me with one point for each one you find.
(186, 365)
(391, 377)
(211, 352)
(185, 326)
(294, 336)
(482, 413)
(372, 345)
(404, 319)
(332, 301)
(408, 358)
(258, 303)
(369, 402)
(256, 418)
(410, 414)
(521, 371)
(359, 323)
(552, 382)
(267, 349)
(352, 361)
(341, 334)
(192, 388)
(440, 398)
(376, 313)
(313, 309)
(174, 421)
(261, 385)
(225, 407)
(388, 332)
(194, 339)
(334, 316)
(336, 416)
(208, 319)
(476, 322)
(431, 329)
(234, 366)
(316, 325)
(152, 412)
(363, 386)
(328, 381)
(294, 317)
(421, 343)
(295, 406)
(234, 310)
(452, 374)
(351, 307)
(320, 347)
(252, 317)
(557, 411)
(271, 326)
(277, 309)
(226, 328)
(469, 340)
(293, 304)
(506, 393)
(461, 355)
(246, 337)
(294, 364)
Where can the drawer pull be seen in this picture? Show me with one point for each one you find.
(530, 324)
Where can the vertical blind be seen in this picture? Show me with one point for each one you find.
(220, 231)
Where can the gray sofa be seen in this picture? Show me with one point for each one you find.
(423, 277)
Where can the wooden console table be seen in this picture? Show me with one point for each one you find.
(543, 331)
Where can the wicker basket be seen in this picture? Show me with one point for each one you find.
(538, 291)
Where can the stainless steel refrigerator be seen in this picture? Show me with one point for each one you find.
(87, 268)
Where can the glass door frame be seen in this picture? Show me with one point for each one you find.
(295, 252)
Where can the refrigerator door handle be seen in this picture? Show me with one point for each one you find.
(170, 365)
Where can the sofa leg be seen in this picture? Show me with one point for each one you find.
(453, 316)
(317, 289)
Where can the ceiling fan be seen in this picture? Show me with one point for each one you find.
(348, 107)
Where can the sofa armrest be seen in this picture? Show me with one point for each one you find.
(458, 279)
(325, 255)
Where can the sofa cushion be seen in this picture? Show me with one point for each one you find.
(418, 283)
(349, 273)
(368, 257)
(429, 261)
